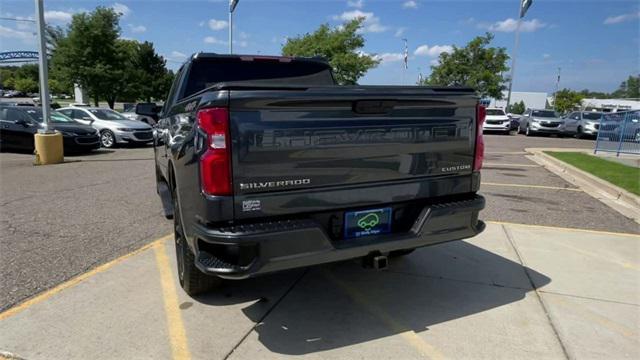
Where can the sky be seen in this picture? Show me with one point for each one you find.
(596, 44)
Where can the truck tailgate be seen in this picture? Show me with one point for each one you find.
(297, 151)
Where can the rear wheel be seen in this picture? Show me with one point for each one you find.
(192, 280)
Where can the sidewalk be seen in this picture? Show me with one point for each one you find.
(515, 291)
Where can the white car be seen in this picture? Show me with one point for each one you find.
(113, 127)
(497, 120)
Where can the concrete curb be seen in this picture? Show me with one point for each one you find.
(622, 201)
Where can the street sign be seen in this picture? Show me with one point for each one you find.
(524, 6)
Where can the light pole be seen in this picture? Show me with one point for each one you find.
(42, 63)
(48, 143)
(524, 6)
(232, 7)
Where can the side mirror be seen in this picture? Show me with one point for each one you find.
(23, 122)
(148, 109)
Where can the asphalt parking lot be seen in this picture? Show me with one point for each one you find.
(562, 285)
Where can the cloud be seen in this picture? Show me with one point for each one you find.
(9, 33)
(400, 31)
(218, 24)
(389, 57)
(371, 22)
(434, 62)
(546, 56)
(621, 18)
(58, 16)
(121, 9)
(510, 25)
(178, 55)
(213, 40)
(358, 4)
(432, 51)
(136, 29)
(410, 5)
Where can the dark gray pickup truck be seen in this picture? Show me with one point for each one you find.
(266, 164)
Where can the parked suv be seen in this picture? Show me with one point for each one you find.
(535, 121)
(497, 120)
(113, 127)
(582, 123)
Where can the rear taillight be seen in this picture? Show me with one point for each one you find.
(481, 114)
(215, 161)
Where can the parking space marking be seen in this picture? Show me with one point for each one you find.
(511, 165)
(175, 325)
(532, 186)
(410, 336)
(564, 229)
(76, 280)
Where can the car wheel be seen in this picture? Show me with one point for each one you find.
(107, 139)
(402, 252)
(192, 280)
(528, 131)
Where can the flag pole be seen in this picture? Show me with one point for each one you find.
(406, 60)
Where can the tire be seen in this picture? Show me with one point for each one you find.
(528, 131)
(192, 280)
(402, 252)
(107, 139)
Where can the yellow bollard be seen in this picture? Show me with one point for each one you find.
(48, 148)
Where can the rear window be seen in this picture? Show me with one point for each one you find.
(207, 72)
(495, 112)
(544, 113)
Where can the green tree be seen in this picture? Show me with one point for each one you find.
(89, 54)
(567, 100)
(26, 85)
(517, 108)
(629, 89)
(341, 46)
(152, 73)
(476, 65)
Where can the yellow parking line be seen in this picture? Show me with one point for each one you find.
(564, 229)
(532, 186)
(76, 280)
(410, 336)
(177, 333)
(510, 165)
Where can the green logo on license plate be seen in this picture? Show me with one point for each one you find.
(369, 221)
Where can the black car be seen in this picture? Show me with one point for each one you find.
(19, 124)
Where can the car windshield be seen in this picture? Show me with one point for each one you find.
(544, 113)
(495, 112)
(107, 114)
(56, 117)
(591, 115)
